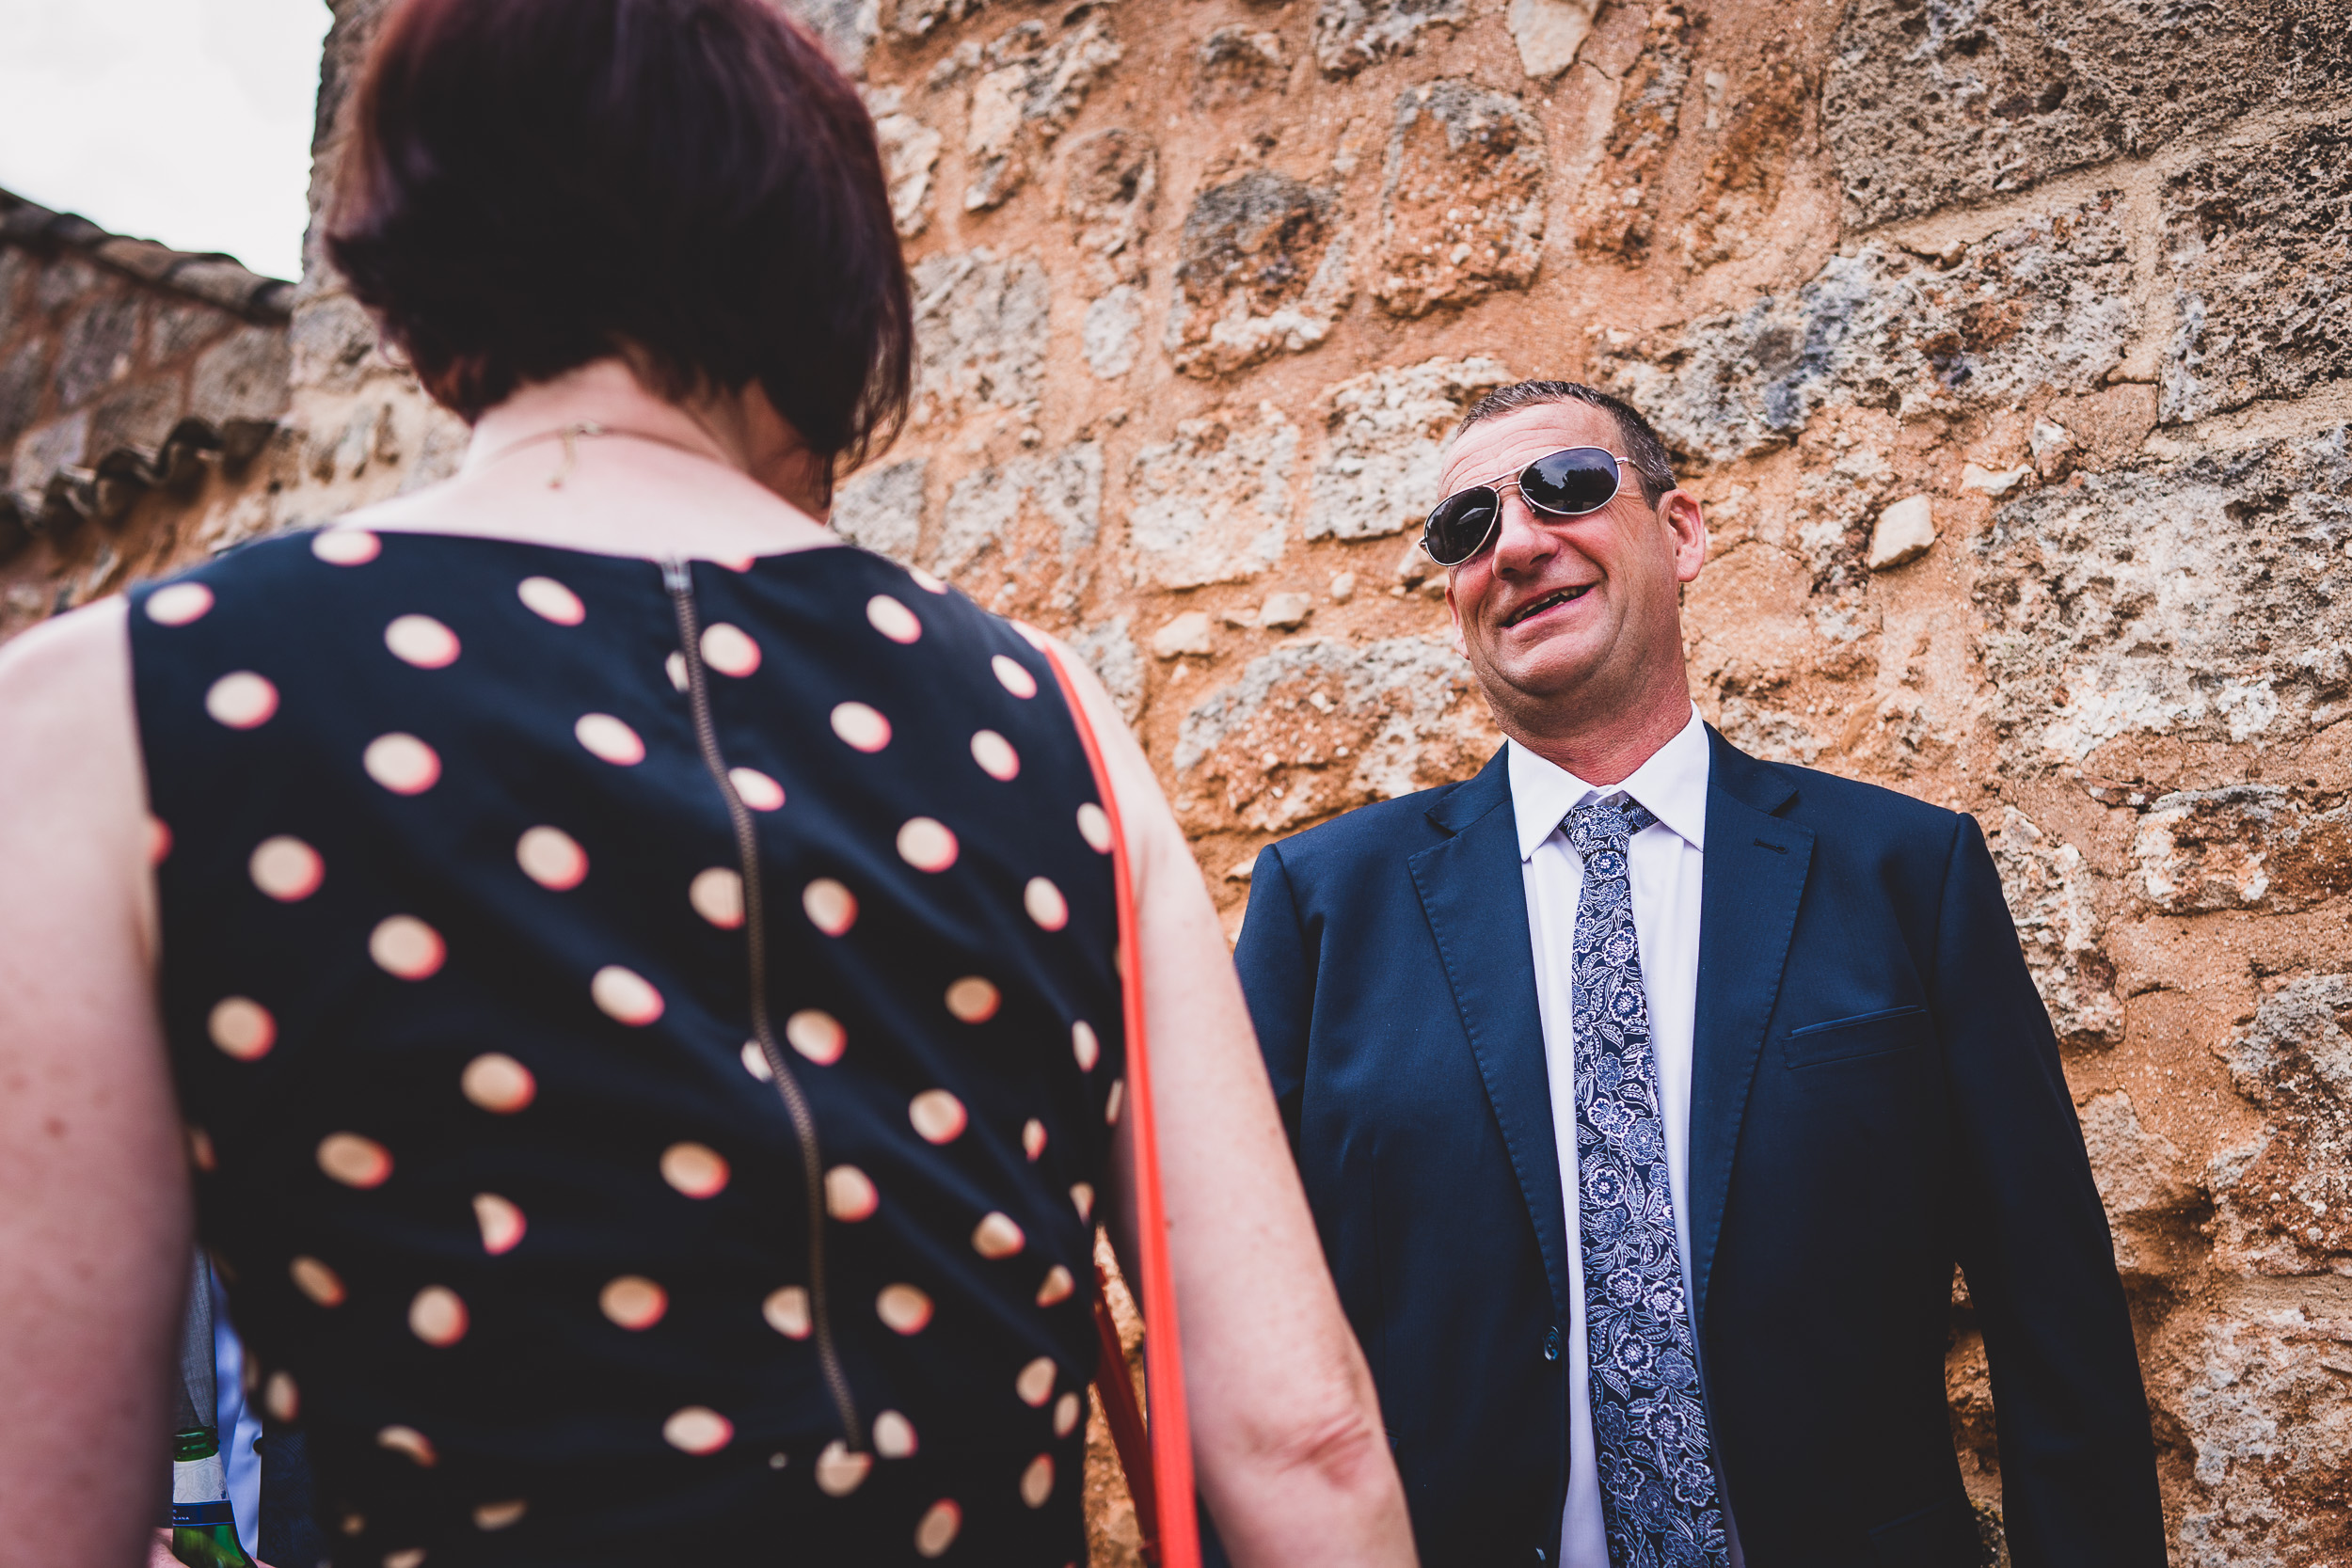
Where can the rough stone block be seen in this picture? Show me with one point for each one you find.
(910, 151)
(2044, 304)
(1236, 62)
(881, 509)
(979, 333)
(1285, 612)
(1184, 634)
(1108, 196)
(1615, 216)
(1462, 202)
(24, 376)
(334, 343)
(95, 348)
(1112, 331)
(1350, 34)
(1549, 32)
(1212, 505)
(1028, 97)
(844, 27)
(40, 451)
(1386, 433)
(139, 415)
(2282, 1204)
(986, 521)
(1261, 269)
(1905, 531)
(909, 21)
(244, 376)
(1928, 104)
(2267, 1408)
(2243, 847)
(2258, 243)
(2053, 899)
(2197, 599)
(1318, 726)
(1112, 654)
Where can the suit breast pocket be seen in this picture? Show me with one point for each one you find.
(1848, 1039)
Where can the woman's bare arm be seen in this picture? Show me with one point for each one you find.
(1286, 1427)
(94, 1227)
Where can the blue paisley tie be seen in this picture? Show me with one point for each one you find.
(1649, 1424)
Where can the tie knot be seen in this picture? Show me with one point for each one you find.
(1605, 825)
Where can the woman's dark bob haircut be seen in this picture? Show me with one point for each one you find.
(532, 185)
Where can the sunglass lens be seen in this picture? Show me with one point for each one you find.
(1582, 478)
(1460, 524)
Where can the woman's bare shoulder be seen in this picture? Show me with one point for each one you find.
(69, 732)
(74, 663)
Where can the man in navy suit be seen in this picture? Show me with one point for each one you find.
(1648, 1093)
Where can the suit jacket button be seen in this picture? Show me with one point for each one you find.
(1551, 1353)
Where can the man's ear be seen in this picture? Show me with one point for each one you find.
(1686, 527)
(1453, 619)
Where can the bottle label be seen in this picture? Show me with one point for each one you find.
(199, 1493)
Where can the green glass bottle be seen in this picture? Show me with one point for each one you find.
(203, 1525)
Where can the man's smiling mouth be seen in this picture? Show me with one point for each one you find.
(1565, 596)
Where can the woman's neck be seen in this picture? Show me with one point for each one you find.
(606, 398)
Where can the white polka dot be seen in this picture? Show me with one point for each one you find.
(633, 1302)
(608, 739)
(998, 1236)
(973, 1000)
(1014, 676)
(404, 946)
(626, 996)
(937, 1114)
(830, 907)
(850, 1194)
(787, 1311)
(552, 858)
(314, 1279)
(892, 619)
(995, 755)
(500, 1515)
(201, 1153)
(756, 1062)
(1037, 1481)
(345, 547)
(1094, 826)
(816, 1035)
(410, 1441)
(1033, 1138)
(551, 601)
(926, 582)
(1082, 1197)
(840, 1472)
(286, 868)
(281, 1397)
(893, 1436)
(936, 1530)
(674, 667)
(717, 895)
(1035, 1385)
(437, 1316)
(1045, 903)
(729, 649)
(242, 1027)
(179, 603)
(502, 1221)
(903, 1308)
(242, 700)
(355, 1161)
(755, 789)
(421, 641)
(926, 844)
(694, 1170)
(698, 1429)
(1114, 1101)
(402, 763)
(498, 1082)
(861, 727)
(158, 841)
(1058, 1287)
(1084, 1046)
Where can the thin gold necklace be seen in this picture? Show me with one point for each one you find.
(569, 434)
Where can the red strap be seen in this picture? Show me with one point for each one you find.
(1130, 1437)
(1169, 1483)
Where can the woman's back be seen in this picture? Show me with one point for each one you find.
(466, 1011)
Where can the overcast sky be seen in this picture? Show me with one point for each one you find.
(186, 121)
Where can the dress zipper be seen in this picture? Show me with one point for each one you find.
(680, 580)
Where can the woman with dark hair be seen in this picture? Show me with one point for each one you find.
(633, 992)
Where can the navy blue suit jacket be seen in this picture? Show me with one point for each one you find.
(1876, 1094)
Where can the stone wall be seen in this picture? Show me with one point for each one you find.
(2008, 345)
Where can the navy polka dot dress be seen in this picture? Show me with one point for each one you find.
(649, 1037)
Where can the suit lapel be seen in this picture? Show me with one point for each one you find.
(1755, 877)
(1472, 893)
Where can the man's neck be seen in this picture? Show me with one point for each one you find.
(1605, 747)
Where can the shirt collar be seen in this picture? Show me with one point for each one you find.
(1671, 784)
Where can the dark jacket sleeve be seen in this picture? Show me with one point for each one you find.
(2079, 1477)
(1277, 978)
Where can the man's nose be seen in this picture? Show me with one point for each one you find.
(1522, 544)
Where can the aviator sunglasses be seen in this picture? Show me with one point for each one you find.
(1565, 484)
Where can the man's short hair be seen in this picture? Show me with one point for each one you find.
(533, 184)
(1642, 445)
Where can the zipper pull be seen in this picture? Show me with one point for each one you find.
(676, 576)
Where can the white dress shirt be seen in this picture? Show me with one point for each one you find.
(1666, 862)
